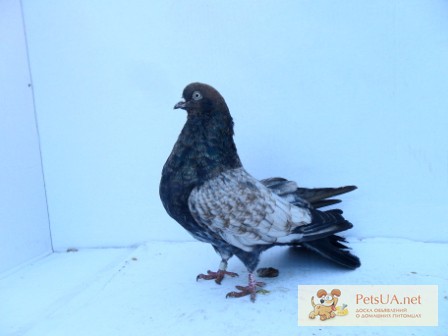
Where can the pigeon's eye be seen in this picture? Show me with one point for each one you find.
(196, 95)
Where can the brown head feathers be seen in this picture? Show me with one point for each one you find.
(202, 99)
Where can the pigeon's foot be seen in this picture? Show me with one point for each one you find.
(250, 289)
(217, 276)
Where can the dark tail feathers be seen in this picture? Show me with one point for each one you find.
(332, 248)
(320, 197)
(315, 197)
(319, 236)
(323, 224)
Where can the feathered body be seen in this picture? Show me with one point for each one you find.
(205, 188)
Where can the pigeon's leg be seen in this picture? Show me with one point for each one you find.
(218, 276)
(250, 289)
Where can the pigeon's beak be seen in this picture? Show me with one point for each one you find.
(182, 105)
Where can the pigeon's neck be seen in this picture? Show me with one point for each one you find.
(211, 146)
(204, 149)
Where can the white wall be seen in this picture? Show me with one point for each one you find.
(24, 227)
(324, 92)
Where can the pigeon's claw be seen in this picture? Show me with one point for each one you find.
(217, 276)
(250, 289)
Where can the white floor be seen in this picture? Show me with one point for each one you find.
(151, 290)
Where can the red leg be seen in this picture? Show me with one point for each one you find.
(219, 275)
(250, 289)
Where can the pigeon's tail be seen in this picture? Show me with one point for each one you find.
(319, 236)
(323, 224)
(321, 197)
(315, 197)
(332, 248)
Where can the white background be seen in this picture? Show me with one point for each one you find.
(326, 93)
(24, 227)
(323, 92)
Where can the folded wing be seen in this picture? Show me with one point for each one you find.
(244, 212)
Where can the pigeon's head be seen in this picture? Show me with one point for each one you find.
(202, 100)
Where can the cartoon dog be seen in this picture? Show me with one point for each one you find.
(326, 308)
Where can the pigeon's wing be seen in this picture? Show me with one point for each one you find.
(244, 212)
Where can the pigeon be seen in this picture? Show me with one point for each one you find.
(205, 188)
